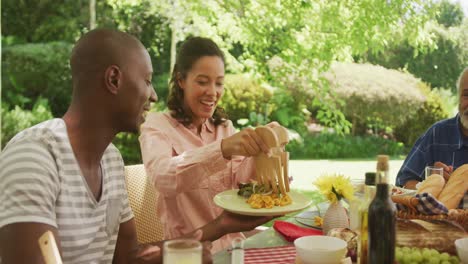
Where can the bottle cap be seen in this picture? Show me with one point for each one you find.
(382, 162)
(370, 178)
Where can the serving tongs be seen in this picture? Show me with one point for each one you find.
(49, 248)
(272, 171)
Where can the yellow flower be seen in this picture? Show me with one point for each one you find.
(334, 187)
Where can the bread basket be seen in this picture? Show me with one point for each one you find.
(459, 216)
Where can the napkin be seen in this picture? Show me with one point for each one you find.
(427, 205)
(291, 231)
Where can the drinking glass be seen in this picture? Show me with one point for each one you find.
(430, 170)
(355, 204)
(182, 251)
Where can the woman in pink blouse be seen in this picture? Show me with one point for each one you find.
(192, 152)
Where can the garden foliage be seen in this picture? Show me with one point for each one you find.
(37, 69)
(428, 113)
(335, 146)
(374, 94)
(276, 52)
(18, 119)
(245, 97)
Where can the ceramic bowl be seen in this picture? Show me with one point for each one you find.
(320, 249)
(462, 249)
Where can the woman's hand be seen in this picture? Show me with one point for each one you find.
(244, 143)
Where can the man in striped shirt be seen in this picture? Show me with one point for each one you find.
(444, 145)
(65, 176)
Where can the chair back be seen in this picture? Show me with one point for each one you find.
(143, 198)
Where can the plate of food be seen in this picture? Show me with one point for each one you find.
(261, 203)
(402, 191)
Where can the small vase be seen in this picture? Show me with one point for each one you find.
(335, 217)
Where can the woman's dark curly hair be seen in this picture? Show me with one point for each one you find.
(191, 50)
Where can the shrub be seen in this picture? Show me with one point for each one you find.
(161, 86)
(374, 93)
(288, 111)
(127, 143)
(19, 119)
(429, 112)
(243, 96)
(296, 88)
(334, 146)
(33, 70)
(129, 147)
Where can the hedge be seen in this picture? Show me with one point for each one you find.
(18, 119)
(334, 146)
(374, 94)
(244, 98)
(39, 69)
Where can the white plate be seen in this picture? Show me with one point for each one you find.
(308, 218)
(230, 201)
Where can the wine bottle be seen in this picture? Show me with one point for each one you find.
(381, 219)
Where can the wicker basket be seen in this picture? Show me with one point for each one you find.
(459, 216)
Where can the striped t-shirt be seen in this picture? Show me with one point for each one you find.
(41, 182)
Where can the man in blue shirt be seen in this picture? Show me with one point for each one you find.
(444, 145)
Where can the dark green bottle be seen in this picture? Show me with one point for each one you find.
(382, 219)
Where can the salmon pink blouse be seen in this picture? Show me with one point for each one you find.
(188, 170)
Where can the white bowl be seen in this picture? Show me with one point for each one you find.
(462, 249)
(320, 249)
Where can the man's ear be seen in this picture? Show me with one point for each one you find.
(112, 79)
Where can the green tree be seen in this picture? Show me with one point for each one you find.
(304, 34)
(450, 14)
(139, 19)
(45, 20)
(37, 69)
(439, 66)
(309, 36)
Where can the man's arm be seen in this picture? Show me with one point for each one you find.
(19, 242)
(412, 170)
(29, 187)
(127, 242)
(411, 184)
(127, 249)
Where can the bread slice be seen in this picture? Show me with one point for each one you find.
(433, 185)
(455, 189)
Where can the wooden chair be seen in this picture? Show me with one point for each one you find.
(143, 197)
